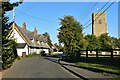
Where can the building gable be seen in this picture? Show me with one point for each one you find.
(18, 38)
(32, 39)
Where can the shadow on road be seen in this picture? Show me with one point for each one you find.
(106, 61)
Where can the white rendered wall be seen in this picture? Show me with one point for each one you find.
(38, 50)
(19, 39)
(20, 51)
(46, 50)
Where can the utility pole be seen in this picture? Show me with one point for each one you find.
(13, 27)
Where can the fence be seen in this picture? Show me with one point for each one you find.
(100, 53)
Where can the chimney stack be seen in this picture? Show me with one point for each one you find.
(24, 25)
(35, 30)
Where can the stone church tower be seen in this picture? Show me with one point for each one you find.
(99, 26)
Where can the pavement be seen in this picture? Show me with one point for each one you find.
(80, 72)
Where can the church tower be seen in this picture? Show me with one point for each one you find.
(99, 25)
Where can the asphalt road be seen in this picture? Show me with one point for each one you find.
(37, 68)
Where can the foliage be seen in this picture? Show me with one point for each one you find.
(70, 34)
(9, 53)
(102, 65)
(115, 42)
(59, 46)
(49, 42)
(50, 51)
(105, 42)
(102, 42)
(34, 54)
(42, 53)
(118, 43)
(93, 42)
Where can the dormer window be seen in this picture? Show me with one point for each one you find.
(46, 44)
(42, 42)
(32, 40)
(38, 42)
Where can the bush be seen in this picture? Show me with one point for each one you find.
(42, 53)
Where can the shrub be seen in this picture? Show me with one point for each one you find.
(33, 54)
(42, 53)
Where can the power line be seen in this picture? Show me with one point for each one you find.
(35, 17)
(101, 14)
(90, 10)
(85, 8)
(29, 9)
(97, 13)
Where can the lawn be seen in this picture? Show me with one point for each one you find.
(105, 65)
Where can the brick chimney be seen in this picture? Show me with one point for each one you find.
(24, 25)
(35, 30)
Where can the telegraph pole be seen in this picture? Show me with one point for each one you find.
(13, 14)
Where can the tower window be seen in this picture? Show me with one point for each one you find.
(100, 22)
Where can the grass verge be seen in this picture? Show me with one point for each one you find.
(33, 55)
(107, 70)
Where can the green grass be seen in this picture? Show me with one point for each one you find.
(106, 66)
(32, 55)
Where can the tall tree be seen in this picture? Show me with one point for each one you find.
(9, 53)
(70, 34)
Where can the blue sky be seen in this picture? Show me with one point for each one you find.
(45, 16)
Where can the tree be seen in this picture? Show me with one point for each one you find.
(93, 42)
(59, 46)
(9, 53)
(105, 41)
(70, 34)
(115, 42)
(48, 39)
(118, 42)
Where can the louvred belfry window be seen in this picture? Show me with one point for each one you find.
(100, 22)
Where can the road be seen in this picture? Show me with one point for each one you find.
(37, 67)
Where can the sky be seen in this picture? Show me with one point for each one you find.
(45, 16)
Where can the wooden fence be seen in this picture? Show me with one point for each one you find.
(98, 53)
